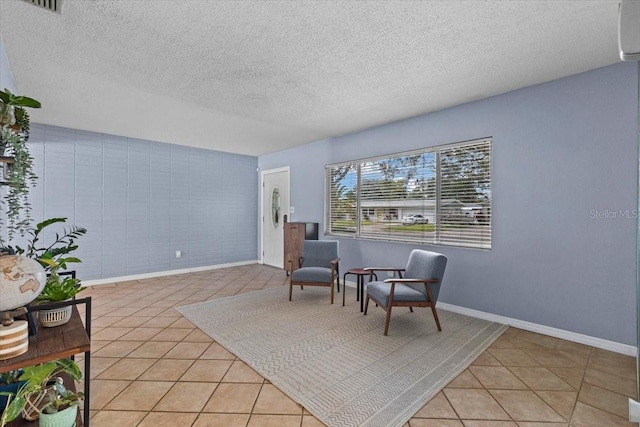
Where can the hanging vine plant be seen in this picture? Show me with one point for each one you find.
(18, 163)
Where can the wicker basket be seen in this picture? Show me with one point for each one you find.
(54, 317)
(34, 403)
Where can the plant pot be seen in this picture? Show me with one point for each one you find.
(55, 317)
(10, 388)
(7, 115)
(64, 418)
(33, 405)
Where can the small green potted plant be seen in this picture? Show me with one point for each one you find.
(40, 381)
(62, 407)
(55, 290)
(59, 289)
(54, 258)
(9, 383)
(12, 110)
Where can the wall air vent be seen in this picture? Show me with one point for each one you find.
(50, 5)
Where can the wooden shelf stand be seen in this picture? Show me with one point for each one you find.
(49, 344)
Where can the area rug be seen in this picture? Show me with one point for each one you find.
(335, 361)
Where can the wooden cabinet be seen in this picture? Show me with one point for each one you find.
(294, 234)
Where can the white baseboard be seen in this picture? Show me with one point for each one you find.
(616, 347)
(634, 411)
(111, 280)
(350, 284)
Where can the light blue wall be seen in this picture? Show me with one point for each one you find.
(141, 201)
(6, 82)
(6, 78)
(306, 175)
(560, 151)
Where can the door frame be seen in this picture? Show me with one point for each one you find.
(285, 209)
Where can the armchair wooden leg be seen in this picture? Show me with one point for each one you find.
(290, 289)
(387, 320)
(411, 309)
(435, 316)
(332, 287)
(366, 305)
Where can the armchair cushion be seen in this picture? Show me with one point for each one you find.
(426, 265)
(380, 291)
(312, 274)
(319, 253)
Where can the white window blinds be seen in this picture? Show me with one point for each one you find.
(439, 195)
(341, 189)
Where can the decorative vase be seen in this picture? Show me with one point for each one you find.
(55, 316)
(21, 281)
(14, 339)
(64, 418)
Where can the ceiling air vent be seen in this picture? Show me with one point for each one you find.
(50, 5)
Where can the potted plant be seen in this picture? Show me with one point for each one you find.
(9, 383)
(34, 395)
(54, 258)
(12, 110)
(57, 289)
(62, 409)
(14, 153)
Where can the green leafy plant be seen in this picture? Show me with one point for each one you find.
(9, 383)
(57, 289)
(19, 175)
(16, 100)
(53, 258)
(10, 377)
(20, 178)
(39, 379)
(13, 113)
(61, 398)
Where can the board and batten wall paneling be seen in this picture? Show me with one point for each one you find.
(89, 183)
(138, 203)
(142, 201)
(114, 230)
(160, 207)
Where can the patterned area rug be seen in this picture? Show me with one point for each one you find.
(334, 361)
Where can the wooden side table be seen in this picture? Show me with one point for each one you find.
(360, 273)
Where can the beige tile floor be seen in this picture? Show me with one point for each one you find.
(152, 367)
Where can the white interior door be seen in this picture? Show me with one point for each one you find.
(275, 205)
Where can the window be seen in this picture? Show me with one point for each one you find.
(440, 195)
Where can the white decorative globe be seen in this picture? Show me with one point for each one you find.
(21, 281)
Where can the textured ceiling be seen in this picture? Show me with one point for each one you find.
(254, 77)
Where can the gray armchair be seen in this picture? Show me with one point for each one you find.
(318, 266)
(419, 287)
